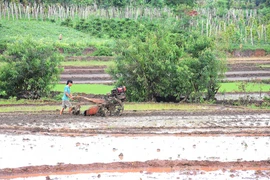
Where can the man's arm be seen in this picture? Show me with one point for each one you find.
(68, 95)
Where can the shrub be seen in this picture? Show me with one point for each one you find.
(103, 51)
(31, 69)
(167, 65)
(113, 28)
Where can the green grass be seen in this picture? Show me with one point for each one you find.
(250, 87)
(264, 66)
(86, 88)
(256, 107)
(162, 106)
(45, 30)
(36, 108)
(103, 89)
(87, 63)
(24, 101)
(2, 64)
(29, 108)
(81, 63)
(128, 106)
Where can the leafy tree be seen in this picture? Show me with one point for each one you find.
(31, 69)
(166, 65)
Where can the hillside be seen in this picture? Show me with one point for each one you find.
(45, 30)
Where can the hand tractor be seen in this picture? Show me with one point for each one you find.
(110, 105)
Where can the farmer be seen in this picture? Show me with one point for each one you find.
(65, 99)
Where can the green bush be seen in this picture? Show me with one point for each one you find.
(168, 65)
(68, 22)
(73, 48)
(113, 28)
(103, 51)
(31, 69)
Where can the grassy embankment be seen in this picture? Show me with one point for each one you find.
(128, 107)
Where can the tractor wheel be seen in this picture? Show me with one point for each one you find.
(103, 111)
(116, 109)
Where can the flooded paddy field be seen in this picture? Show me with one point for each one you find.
(157, 145)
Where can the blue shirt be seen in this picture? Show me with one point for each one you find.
(66, 90)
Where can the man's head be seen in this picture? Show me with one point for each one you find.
(69, 82)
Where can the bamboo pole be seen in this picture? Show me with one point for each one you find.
(8, 12)
(202, 28)
(261, 34)
(1, 10)
(12, 10)
(20, 11)
(265, 34)
(4, 11)
(15, 10)
(251, 37)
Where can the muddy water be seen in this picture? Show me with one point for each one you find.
(37, 140)
(248, 96)
(245, 78)
(116, 124)
(32, 150)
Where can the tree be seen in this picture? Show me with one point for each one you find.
(30, 70)
(167, 65)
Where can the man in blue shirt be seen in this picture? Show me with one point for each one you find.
(65, 99)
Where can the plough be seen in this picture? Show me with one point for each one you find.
(110, 105)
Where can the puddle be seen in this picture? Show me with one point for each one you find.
(245, 78)
(33, 150)
(250, 96)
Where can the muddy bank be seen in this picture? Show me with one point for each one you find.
(156, 168)
(248, 53)
(172, 122)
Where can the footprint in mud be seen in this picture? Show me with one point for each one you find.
(121, 156)
(26, 139)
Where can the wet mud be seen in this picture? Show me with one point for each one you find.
(225, 143)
